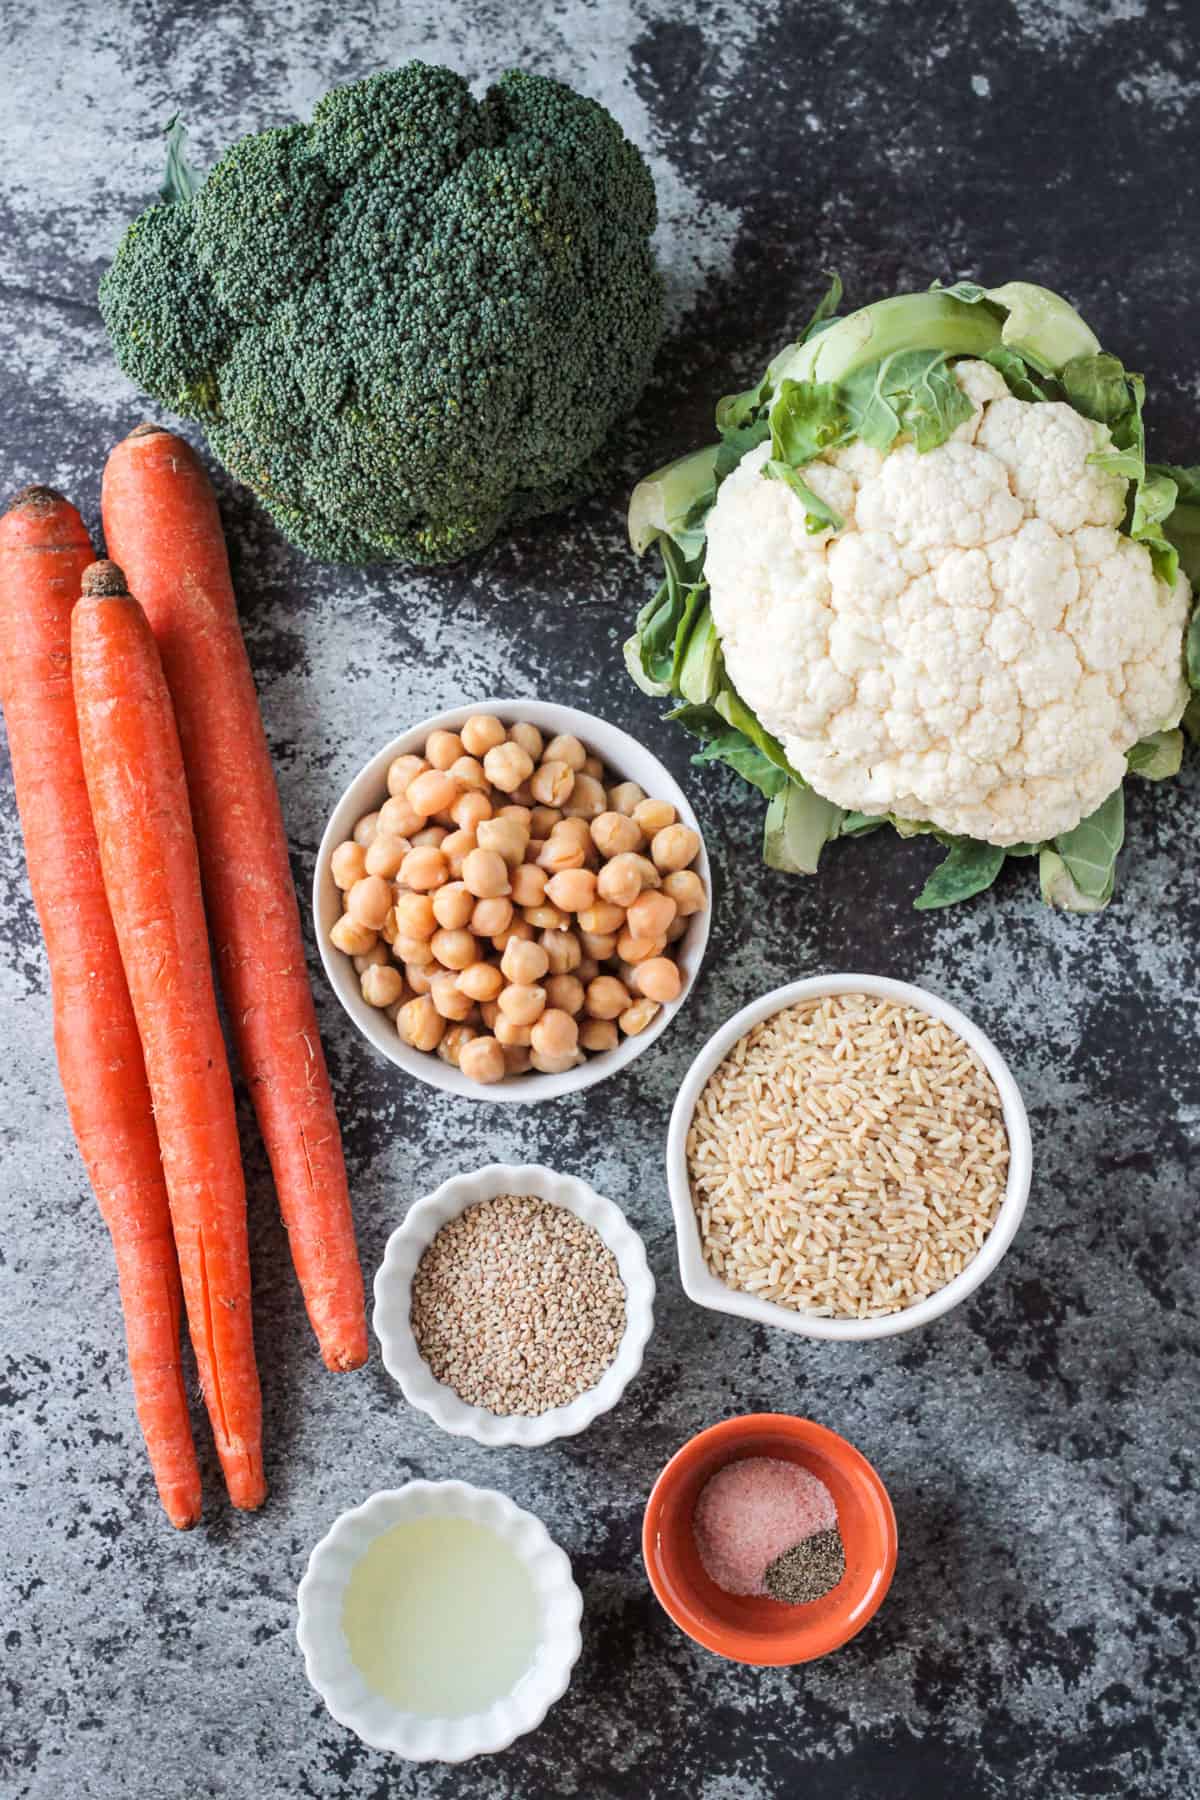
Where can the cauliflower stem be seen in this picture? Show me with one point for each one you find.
(927, 578)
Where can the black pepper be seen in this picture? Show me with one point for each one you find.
(809, 1570)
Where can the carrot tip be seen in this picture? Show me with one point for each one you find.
(36, 499)
(103, 579)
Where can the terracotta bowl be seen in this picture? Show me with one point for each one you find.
(747, 1628)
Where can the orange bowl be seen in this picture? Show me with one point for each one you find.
(749, 1628)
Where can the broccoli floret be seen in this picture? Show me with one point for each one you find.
(411, 323)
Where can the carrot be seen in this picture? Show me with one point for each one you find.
(135, 781)
(163, 527)
(44, 550)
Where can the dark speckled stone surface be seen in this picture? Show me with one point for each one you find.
(1041, 1636)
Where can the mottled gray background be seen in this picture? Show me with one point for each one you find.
(1041, 1635)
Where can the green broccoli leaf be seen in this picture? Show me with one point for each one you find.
(1101, 388)
(807, 418)
(825, 311)
(734, 747)
(1182, 525)
(699, 668)
(858, 824)
(1044, 329)
(652, 653)
(1157, 757)
(1017, 373)
(1191, 719)
(181, 179)
(1090, 851)
(798, 825)
(1060, 890)
(970, 867)
(733, 709)
(817, 515)
(1098, 387)
(912, 392)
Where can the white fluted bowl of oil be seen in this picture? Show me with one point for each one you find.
(439, 1621)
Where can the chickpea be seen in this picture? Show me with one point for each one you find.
(489, 1012)
(470, 808)
(687, 891)
(529, 738)
(543, 819)
(547, 918)
(505, 838)
(481, 980)
(594, 767)
(512, 1034)
(560, 852)
(524, 962)
(658, 979)
(598, 1034)
(391, 1011)
(516, 1059)
(606, 997)
(432, 792)
(676, 929)
(587, 799)
(612, 833)
(638, 1016)
(555, 1065)
(565, 993)
(418, 977)
(452, 906)
(420, 1024)
(528, 885)
(534, 848)
(413, 952)
(364, 831)
(520, 930)
(468, 770)
(654, 816)
(416, 916)
(572, 890)
(454, 949)
(455, 1042)
(625, 796)
(507, 766)
(485, 873)
(456, 848)
(491, 917)
(565, 748)
(397, 818)
(369, 901)
(523, 1005)
(602, 916)
(674, 847)
(371, 959)
(448, 997)
(651, 878)
(482, 1060)
(598, 944)
(634, 950)
(551, 784)
(562, 947)
(386, 855)
(621, 880)
(650, 915)
(401, 771)
(521, 814)
(424, 868)
(443, 749)
(481, 734)
(348, 935)
(430, 837)
(348, 864)
(523, 796)
(587, 969)
(389, 931)
(555, 1034)
(382, 985)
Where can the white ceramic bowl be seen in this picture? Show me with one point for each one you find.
(327, 1660)
(626, 760)
(706, 1290)
(393, 1300)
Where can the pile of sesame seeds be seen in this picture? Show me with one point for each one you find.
(847, 1158)
(518, 1305)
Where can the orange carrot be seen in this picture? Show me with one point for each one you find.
(44, 550)
(163, 527)
(135, 781)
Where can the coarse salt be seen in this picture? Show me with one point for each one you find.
(751, 1512)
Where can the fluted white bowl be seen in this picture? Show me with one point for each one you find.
(340, 1683)
(393, 1302)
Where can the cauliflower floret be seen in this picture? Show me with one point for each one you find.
(977, 647)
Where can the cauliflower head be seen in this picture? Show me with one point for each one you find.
(978, 646)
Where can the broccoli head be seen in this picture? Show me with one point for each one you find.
(409, 324)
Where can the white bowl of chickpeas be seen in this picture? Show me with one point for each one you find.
(512, 900)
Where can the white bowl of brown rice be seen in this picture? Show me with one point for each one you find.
(848, 1157)
(514, 1305)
